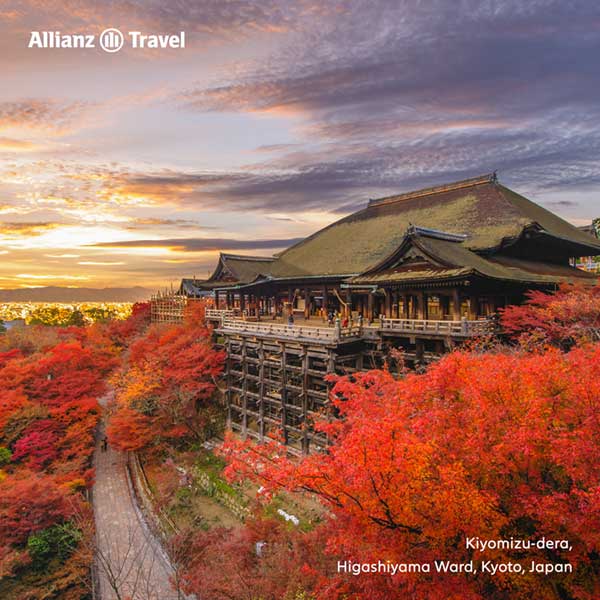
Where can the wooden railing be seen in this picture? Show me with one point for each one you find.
(338, 333)
(215, 314)
(464, 328)
(279, 330)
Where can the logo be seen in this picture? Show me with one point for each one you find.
(111, 40)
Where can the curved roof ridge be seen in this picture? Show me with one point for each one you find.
(438, 189)
(246, 257)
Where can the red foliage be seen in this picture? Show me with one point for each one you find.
(130, 430)
(37, 447)
(564, 318)
(123, 332)
(166, 385)
(222, 564)
(50, 379)
(488, 445)
(30, 502)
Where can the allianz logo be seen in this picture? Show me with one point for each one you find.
(110, 40)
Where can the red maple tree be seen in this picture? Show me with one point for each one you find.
(564, 318)
(493, 445)
(165, 390)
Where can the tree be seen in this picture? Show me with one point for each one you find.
(564, 318)
(167, 386)
(493, 445)
(30, 502)
(263, 559)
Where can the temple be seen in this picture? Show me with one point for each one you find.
(456, 251)
(418, 272)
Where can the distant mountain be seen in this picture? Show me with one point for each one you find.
(64, 294)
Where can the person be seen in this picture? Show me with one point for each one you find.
(291, 319)
(330, 317)
(345, 322)
(104, 444)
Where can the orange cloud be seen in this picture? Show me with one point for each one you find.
(12, 145)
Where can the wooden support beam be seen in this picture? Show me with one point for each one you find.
(261, 391)
(473, 307)
(420, 297)
(305, 437)
(369, 307)
(244, 389)
(306, 304)
(456, 316)
(284, 392)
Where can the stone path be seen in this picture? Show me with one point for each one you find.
(130, 561)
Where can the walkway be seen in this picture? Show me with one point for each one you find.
(130, 561)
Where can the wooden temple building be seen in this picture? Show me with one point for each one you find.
(420, 271)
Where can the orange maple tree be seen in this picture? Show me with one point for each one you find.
(494, 445)
(165, 388)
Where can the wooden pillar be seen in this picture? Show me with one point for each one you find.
(420, 309)
(370, 307)
(473, 307)
(307, 303)
(406, 310)
(325, 299)
(284, 392)
(388, 304)
(244, 389)
(305, 438)
(348, 309)
(242, 301)
(228, 392)
(217, 299)
(456, 316)
(261, 391)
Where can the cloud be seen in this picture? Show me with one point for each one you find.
(14, 229)
(209, 17)
(13, 145)
(142, 222)
(503, 85)
(202, 245)
(41, 114)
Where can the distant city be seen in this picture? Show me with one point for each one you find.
(14, 314)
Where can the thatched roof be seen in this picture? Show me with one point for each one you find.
(425, 255)
(231, 269)
(240, 268)
(490, 215)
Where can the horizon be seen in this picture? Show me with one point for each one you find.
(276, 119)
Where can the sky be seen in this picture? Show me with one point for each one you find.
(278, 118)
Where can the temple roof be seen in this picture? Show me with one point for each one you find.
(489, 215)
(231, 269)
(240, 268)
(425, 255)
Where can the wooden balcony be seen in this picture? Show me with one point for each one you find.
(304, 332)
(462, 328)
(314, 331)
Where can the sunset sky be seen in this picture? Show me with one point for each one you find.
(279, 117)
